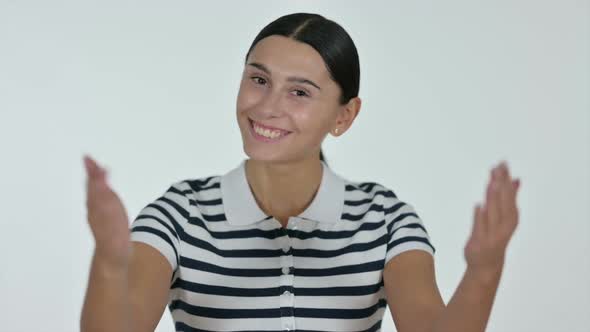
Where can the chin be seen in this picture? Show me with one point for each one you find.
(260, 155)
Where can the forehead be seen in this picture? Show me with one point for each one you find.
(285, 56)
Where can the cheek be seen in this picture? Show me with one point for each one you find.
(247, 97)
(310, 120)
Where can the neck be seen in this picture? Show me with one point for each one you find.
(284, 190)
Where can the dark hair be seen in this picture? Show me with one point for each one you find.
(329, 39)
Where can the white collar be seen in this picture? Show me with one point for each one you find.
(240, 206)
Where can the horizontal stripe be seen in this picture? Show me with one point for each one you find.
(180, 326)
(327, 313)
(231, 277)
(303, 272)
(340, 313)
(275, 291)
(159, 221)
(409, 239)
(222, 312)
(158, 233)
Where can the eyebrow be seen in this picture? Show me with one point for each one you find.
(289, 79)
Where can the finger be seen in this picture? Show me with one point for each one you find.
(516, 184)
(90, 165)
(479, 224)
(92, 168)
(492, 197)
(95, 172)
(508, 213)
(96, 185)
(506, 194)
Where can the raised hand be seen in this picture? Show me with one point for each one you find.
(107, 218)
(493, 226)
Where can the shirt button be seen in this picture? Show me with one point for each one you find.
(286, 249)
(286, 293)
(285, 270)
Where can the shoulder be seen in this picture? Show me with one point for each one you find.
(376, 192)
(381, 197)
(191, 187)
(184, 194)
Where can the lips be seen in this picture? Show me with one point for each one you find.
(258, 124)
(265, 139)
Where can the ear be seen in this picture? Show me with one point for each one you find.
(346, 116)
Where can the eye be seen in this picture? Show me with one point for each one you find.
(301, 93)
(258, 79)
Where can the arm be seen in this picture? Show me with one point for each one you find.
(129, 281)
(412, 294)
(416, 304)
(409, 278)
(470, 307)
(131, 299)
(106, 304)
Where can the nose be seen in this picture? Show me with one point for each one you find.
(270, 105)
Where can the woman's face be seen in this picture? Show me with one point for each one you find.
(287, 91)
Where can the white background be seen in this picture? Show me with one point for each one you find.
(449, 88)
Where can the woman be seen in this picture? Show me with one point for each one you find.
(281, 242)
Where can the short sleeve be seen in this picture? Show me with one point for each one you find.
(405, 230)
(160, 223)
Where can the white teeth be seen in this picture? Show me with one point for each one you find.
(266, 132)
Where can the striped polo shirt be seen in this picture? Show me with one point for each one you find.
(238, 269)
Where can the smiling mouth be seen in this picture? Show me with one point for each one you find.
(266, 134)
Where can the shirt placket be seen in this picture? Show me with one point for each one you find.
(287, 297)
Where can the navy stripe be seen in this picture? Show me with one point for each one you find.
(346, 269)
(214, 217)
(177, 191)
(377, 208)
(399, 218)
(368, 186)
(161, 235)
(253, 253)
(201, 182)
(212, 268)
(358, 202)
(385, 192)
(357, 217)
(224, 290)
(412, 225)
(276, 291)
(205, 245)
(210, 202)
(278, 232)
(355, 247)
(160, 221)
(274, 272)
(182, 327)
(199, 186)
(409, 239)
(338, 291)
(320, 234)
(340, 313)
(175, 224)
(392, 209)
(224, 313)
